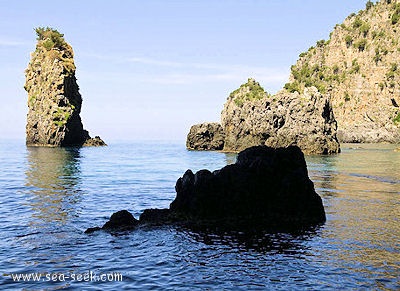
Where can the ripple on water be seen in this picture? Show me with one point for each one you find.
(50, 196)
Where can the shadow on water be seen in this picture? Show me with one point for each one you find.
(265, 242)
(53, 176)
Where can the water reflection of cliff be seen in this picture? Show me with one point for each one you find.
(363, 219)
(53, 175)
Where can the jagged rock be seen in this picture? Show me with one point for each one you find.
(94, 142)
(360, 63)
(281, 120)
(265, 188)
(54, 101)
(205, 136)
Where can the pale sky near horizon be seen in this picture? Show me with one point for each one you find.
(150, 69)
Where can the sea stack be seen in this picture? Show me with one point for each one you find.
(54, 101)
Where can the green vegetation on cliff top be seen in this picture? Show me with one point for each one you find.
(250, 91)
(51, 41)
(50, 38)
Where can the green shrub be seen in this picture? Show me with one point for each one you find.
(377, 58)
(357, 22)
(364, 28)
(392, 71)
(355, 67)
(292, 87)
(390, 75)
(255, 92)
(335, 69)
(50, 38)
(396, 120)
(369, 5)
(349, 40)
(346, 97)
(396, 14)
(361, 44)
(321, 43)
(395, 18)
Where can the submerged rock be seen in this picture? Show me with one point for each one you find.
(54, 101)
(206, 136)
(265, 189)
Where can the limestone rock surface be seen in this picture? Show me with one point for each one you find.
(360, 64)
(282, 120)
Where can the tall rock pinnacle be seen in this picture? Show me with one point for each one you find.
(54, 100)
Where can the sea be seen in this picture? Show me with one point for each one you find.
(50, 196)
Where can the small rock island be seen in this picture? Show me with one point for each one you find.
(54, 101)
(253, 117)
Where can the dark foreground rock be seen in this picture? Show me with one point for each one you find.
(266, 189)
(121, 220)
(206, 136)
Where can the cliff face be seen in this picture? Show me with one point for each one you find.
(54, 101)
(281, 120)
(360, 66)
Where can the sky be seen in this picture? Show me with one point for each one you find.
(148, 70)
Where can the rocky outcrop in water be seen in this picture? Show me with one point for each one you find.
(54, 101)
(206, 136)
(360, 65)
(252, 117)
(281, 120)
(266, 189)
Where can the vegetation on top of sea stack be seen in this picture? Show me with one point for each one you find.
(50, 38)
(250, 91)
(52, 42)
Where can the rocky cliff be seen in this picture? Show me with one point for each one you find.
(285, 119)
(54, 101)
(252, 117)
(360, 66)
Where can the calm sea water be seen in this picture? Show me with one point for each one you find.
(50, 196)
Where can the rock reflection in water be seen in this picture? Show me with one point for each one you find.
(363, 219)
(265, 242)
(53, 175)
